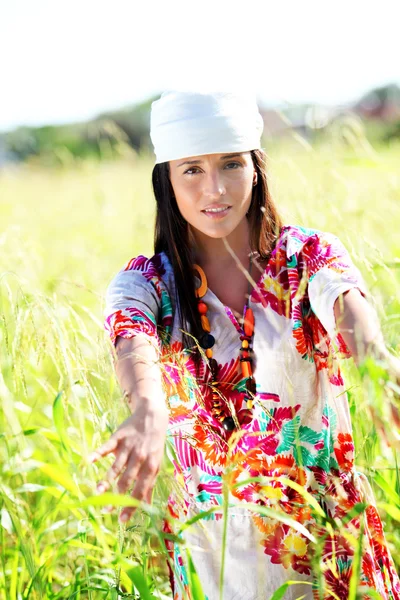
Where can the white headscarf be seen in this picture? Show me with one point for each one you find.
(186, 124)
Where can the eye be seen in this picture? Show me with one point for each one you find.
(187, 171)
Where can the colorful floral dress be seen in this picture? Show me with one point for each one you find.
(294, 498)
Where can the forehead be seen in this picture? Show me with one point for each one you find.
(190, 160)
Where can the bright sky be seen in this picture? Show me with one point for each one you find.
(68, 60)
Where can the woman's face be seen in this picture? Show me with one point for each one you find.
(204, 184)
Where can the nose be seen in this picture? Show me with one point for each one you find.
(214, 185)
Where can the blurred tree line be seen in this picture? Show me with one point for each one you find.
(104, 134)
(111, 133)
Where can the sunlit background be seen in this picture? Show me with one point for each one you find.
(70, 62)
(77, 81)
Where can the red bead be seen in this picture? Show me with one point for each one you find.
(245, 337)
(202, 307)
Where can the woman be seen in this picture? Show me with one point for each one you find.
(227, 343)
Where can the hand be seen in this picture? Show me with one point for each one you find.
(389, 413)
(138, 446)
(392, 365)
(394, 386)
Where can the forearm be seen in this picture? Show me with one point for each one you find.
(139, 374)
(359, 326)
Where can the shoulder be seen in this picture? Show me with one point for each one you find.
(146, 274)
(149, 267)
(313, 247)
(297, 239)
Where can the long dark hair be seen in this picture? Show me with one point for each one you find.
(172, 236)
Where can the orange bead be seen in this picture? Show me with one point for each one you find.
(202, 307)
(249, 322)
(202, 289)
(245, 344)
(209, 353)
(246, 369)
(205, 323)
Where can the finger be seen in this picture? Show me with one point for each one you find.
(102, 486)
(144, 485)
(127, 512)
(103, 450)
(119, 463)
(113, 472)
(133, 467)
(143, 488)
(149, 495)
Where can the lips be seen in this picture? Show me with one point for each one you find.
(216, 213)
(215, 208)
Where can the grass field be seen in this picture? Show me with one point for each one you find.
(64, 233)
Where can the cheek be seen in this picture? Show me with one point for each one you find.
(186, 205)
(242, 189)
(247, 194)
(184, 198)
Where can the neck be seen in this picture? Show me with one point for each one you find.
(208, 250)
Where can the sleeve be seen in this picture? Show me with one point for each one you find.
(132, 305)
(331, 272)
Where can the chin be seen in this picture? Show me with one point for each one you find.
(217, 230)
(217, 235)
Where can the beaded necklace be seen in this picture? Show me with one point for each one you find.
(207, 341)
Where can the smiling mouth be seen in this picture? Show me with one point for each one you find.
(216, 211)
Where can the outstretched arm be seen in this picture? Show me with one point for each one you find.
(359, 326)
(138, 443)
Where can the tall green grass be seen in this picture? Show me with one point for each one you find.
(64, 233)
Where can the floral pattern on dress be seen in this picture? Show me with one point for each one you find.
(295, 449)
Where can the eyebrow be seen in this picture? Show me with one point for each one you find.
(192, 162)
